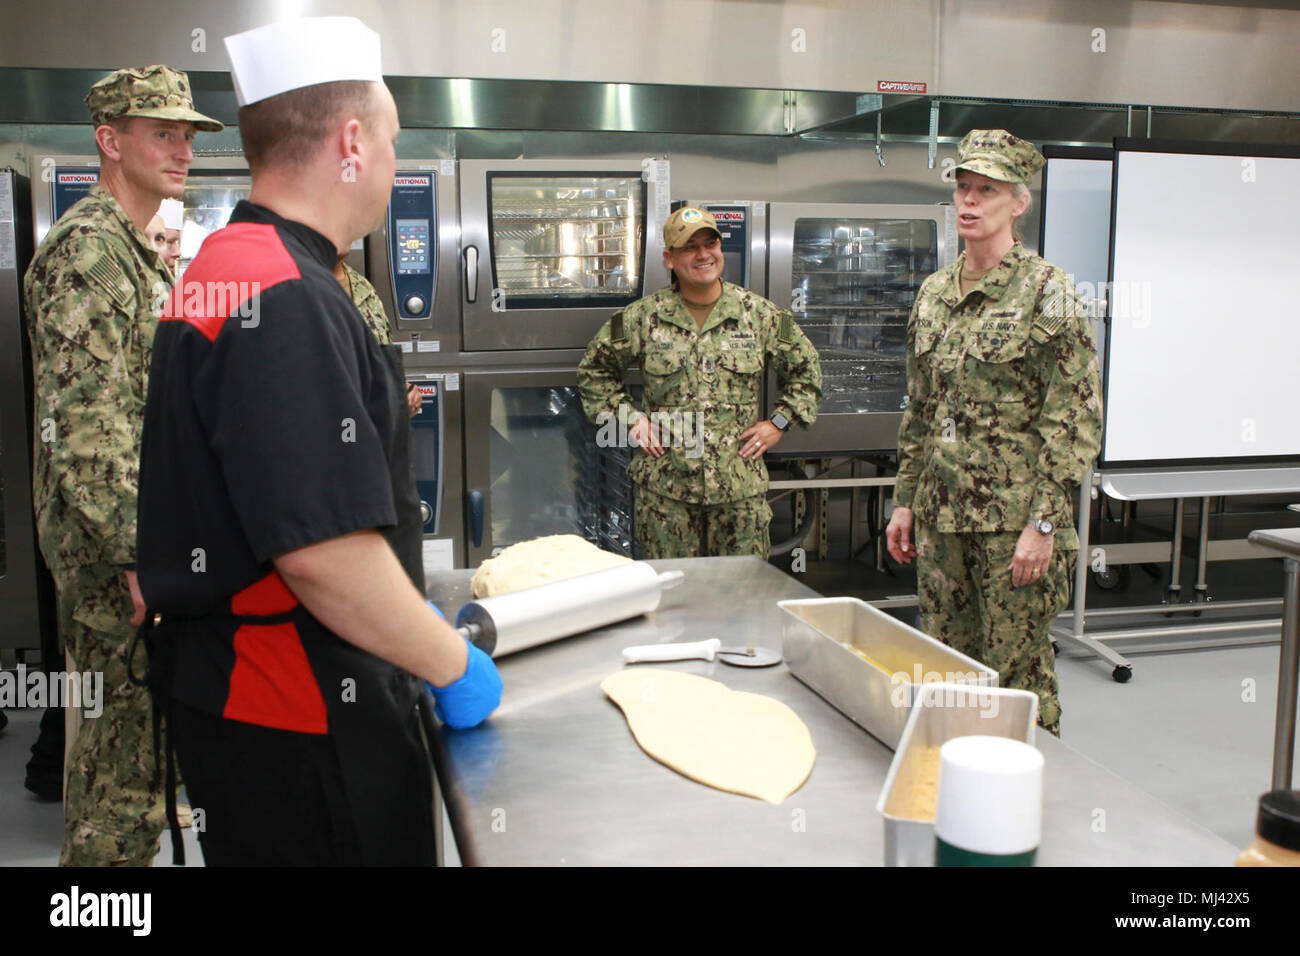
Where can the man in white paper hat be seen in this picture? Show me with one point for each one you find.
(172, 214)
(294, 633)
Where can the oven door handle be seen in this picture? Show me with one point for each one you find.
(476, 517)
(471, 274)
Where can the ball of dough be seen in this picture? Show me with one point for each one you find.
(540, 561)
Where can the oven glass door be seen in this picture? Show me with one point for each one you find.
(209, 200)
(853, 282)
(566, 241)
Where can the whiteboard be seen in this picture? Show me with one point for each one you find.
(1203, 344)
(1076, 219)
(1075, 231)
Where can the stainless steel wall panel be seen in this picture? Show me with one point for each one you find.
(1230, 56)
(598, 107)
(832, 45)
(1219, 55)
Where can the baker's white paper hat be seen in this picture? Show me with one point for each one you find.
(172, 213)
(289, 55)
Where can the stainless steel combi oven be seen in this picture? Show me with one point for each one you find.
(533, 463)
(549, 249)
(850, 274)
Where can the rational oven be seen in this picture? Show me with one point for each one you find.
(549, 249)
(412, 261)
(849, 273)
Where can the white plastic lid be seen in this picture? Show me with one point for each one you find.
(990, 795)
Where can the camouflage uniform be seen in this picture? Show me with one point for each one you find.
(93, 293)
(1003, 418)
(367, 301)
(701, 497)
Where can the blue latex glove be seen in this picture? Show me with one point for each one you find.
(468, 701)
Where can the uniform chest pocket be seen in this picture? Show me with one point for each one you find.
(997, 369)
(935, 354)
(925, 341)
(664, 371)
(740, 375)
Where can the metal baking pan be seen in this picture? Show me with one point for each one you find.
(942, 712)
(813, 638)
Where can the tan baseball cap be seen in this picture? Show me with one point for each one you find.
(686, 222)
(156, 92)
(997, 154)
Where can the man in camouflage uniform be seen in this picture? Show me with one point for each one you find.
(94, 291)
(703, 345)
(1003, 419)
(366, 298)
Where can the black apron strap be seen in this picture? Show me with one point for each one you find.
(173, 818)
(157, 678)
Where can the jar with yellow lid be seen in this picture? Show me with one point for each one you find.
(1277, 831)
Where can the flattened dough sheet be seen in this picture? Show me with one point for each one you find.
(734, 741)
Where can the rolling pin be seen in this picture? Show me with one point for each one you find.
(507, 623)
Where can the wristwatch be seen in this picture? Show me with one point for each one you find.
(1042, 526)
(780, 421)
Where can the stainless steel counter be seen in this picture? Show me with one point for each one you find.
(555, 776)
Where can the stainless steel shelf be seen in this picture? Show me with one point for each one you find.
(565, 291)
(512, 257)
(521, 217)
(858, 273)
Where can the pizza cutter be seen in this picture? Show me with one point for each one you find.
(709, 650)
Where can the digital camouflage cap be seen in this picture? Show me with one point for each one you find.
(156, 92)
(997, 154)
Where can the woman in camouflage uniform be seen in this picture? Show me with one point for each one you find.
(1003, 419)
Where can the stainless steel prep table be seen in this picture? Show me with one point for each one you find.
(555, 776)
(1286, 542)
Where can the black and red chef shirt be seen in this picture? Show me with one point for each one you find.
(271, 422)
